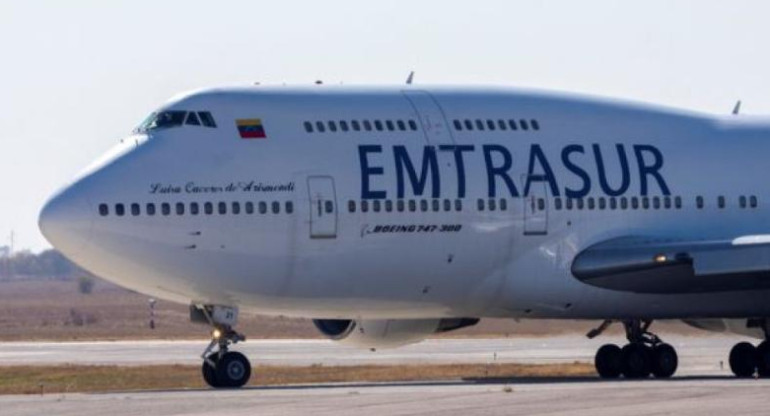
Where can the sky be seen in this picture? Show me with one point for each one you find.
(76, 76)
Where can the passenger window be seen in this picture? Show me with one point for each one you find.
(308, 127)
(602, 203)
(492, 205)
(179, 208)
(104, 210)
(208, 208)
(412, 205)
(535, 125)
(436, 205)
(388, 205)
(351, 206)
(557, 203)
(401, 125)
(634, 202)
(412, 125)
(249, 207)
(512, 124)
(222, 208)
(721, 202)
(591, 203)
(479, 124)
(400, 205)
(343, 125)
(502, 125)
(491, 125)
(192, 119)
(645, 202)
(389, 124)
(320, 126)
(580, 204)
(356, 125)
(135, 209)
(480, 205)
(165, 208)
(150, 209)
(207, 119)
(276, 207)
(447, 205)
(613, 203)
(376, 205)
(458, 205)
(423, 205)
(753, 201)
(503, 204)
(364, 206)
(332, 126)
(742, 202)
(120, 210)
(468, 125)
(458, 125)
(699, 202)
(378, 125)
(678, 202)
(524, 125)
(329, 206)
(569, 203)
(367, 125)
(667, 202)
(263, 207)
(623, 203)
(541, 204)
(656, 202)
(236, 208)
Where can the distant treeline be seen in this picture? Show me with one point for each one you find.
(49, 264)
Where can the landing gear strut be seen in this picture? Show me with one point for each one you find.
(644, 354)
(222, 367)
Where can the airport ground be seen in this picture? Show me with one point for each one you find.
(55, 341)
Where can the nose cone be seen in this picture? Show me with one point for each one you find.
(65, 221)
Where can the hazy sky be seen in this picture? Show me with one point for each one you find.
(75, 76)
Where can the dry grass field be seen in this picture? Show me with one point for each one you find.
(56, 311)
(71, 379)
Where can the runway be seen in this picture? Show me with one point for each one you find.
(698, 355)
(703, 385)
(590, 397)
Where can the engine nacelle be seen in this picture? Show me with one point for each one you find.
(387, 333)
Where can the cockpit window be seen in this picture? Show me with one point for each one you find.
(168, 119)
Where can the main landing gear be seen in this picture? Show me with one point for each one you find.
(747, 360)
(644, 354)
(221, 367)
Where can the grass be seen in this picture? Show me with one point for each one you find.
(76, 378)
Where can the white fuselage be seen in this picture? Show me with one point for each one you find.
(406, 220)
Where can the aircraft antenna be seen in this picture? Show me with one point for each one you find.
(737, 108)
(410, 78)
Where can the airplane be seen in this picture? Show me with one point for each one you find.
(389, 214)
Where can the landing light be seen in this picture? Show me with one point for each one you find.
(660, 258)
(216, 334)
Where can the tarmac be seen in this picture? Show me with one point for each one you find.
(703, 385)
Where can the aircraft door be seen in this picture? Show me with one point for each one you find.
(536, 207)
(432, 119)
(323, 207)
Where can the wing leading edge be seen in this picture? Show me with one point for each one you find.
(661, 266)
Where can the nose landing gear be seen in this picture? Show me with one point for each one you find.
(221, 367)
(644, 354)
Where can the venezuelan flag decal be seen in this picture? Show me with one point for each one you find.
(251, 128)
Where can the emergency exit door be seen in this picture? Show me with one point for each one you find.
(323, 207)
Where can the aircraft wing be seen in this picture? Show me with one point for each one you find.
(661, 265)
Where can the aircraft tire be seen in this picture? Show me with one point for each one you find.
(637, 361)
(743, 360)
(233, 370)
(664, 361)
(608, 361)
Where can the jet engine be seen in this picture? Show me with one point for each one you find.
(387, 333)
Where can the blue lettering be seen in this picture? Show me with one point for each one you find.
(626, 175)
(652, 170)
(501, 171)
(367, 171)
(577, 170)
(536, 155)
(429, 163)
